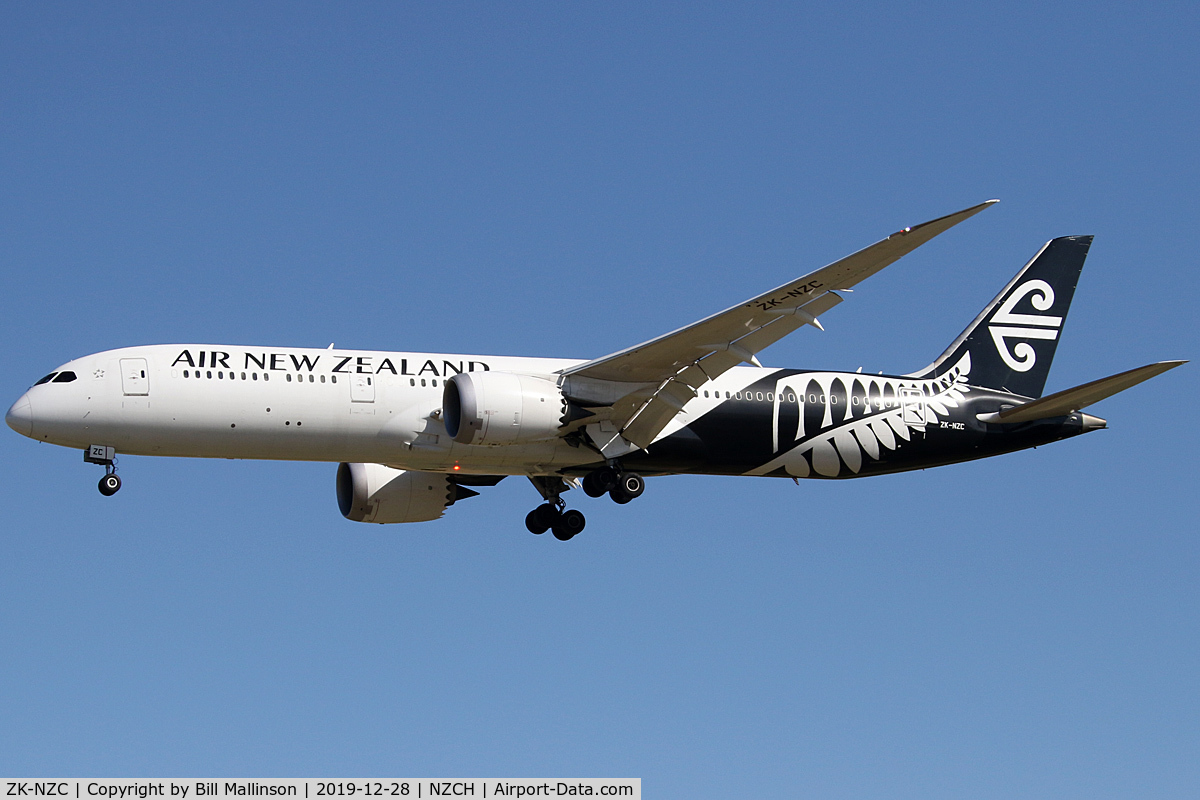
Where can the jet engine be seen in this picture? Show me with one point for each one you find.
(375, 493)
(494, 408)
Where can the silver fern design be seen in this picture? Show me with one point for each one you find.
(878, 414)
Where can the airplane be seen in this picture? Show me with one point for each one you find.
(414, 433)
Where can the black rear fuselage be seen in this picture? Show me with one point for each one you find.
(796, 423)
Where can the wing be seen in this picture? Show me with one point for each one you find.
(645, 386)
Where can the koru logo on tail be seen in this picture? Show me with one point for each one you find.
(1006, 324)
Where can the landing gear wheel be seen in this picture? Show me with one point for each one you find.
(541, 518)
(534, 524)
(109, 484)
(591, 486)
(568, 525)
(599, 481)
(629, 485)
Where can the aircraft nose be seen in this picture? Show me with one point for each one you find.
(20, 416)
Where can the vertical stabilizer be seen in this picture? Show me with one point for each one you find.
(1012, 342)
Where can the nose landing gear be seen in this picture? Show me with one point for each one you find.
(106, 456)
(109, 484)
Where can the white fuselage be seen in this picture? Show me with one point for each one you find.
(223, 401)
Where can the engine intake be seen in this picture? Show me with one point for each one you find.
(495, 408)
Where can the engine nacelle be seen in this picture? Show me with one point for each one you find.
(375, 493)
(502, 408)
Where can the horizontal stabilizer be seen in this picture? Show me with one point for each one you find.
(1069, 400)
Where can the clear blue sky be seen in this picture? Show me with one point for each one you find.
(567, 180)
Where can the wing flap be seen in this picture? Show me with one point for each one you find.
(656, 412)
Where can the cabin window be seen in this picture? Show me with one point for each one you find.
(289, 377)
(322, 379)
(209, 373)
(243, 376)
(791, 397)
(727, 395)
(254, 376)
(434, 381)
(422, 381)
(738, 395)
(266, 376)
(759, 397)
(770, 397)
(185, 374)
(412, 381)
(706, 393)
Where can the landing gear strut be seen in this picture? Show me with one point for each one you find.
(106, 456)
(553, 515)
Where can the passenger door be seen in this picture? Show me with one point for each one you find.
(135, 377)
(362, 389)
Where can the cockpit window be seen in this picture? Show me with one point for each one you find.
(46, 379)
(65, 377)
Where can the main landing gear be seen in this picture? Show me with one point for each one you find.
(106, 456)
(553, 515)
(620, 486)
(550, 517)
